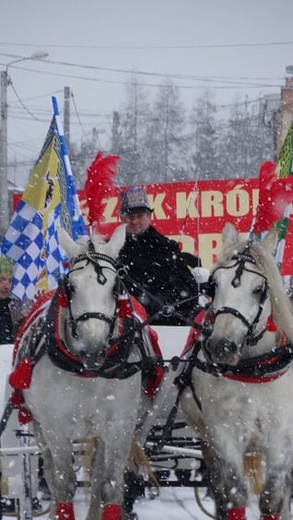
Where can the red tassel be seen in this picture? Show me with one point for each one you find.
(21, 377)
(17, 398)
(236, 513)
(111, 512)
(65, 511)
(24, 415)
(154, 381)
(271, 326)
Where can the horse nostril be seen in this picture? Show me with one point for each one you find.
(219, 351)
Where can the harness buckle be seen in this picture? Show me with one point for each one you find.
(167, 310)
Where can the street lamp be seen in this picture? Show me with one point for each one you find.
(4, 82)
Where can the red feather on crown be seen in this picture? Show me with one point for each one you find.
(98, 185)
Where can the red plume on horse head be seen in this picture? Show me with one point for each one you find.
(274, 194)
(99, 185)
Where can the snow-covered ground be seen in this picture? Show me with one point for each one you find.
(172, 504)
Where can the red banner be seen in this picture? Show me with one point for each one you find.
(193, 214)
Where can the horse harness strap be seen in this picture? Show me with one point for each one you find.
(91, 257)
(258, 369)
(241, 259)
(116, 365)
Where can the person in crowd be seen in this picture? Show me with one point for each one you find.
(152, 266)
(6, 324)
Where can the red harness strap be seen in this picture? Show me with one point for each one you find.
(194, 333)
(253, 379)
(260, 379)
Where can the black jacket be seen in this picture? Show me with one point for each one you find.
(6, 325)
(158, 275)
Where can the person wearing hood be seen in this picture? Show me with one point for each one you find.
(153, 268)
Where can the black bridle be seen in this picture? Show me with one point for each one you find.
(240, 264)
(92, 257)
(116, 364)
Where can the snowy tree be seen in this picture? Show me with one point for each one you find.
(165, 142)
(128, 135)
(244, 142)
(205, 139)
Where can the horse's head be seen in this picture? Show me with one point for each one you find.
(246, 283)
(89, 288)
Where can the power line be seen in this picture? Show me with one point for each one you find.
(150, 47)
(22, 104)
(146, 73)
(78, 117)
(233, 84)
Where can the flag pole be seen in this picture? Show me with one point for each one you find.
(64, 154)
(67, 167)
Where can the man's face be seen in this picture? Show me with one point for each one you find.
(5, 286)
(137, 222)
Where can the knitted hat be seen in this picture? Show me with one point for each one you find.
(134, 200)
(6, 266)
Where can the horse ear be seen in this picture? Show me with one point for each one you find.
(270, 241)
(117, 240)
(230, 235)
(65, 240)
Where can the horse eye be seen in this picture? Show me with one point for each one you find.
(70, 289)
(258, 290)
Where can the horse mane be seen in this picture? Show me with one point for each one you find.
(265, 262)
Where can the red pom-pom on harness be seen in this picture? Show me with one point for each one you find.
(21, 376)
(24, 415)
(271, 326)
(236, 513)
(65, 511)
(111, 512)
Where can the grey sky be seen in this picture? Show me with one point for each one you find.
(234, 47)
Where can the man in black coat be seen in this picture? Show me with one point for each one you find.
(156, 272)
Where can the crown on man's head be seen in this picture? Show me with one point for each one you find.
(134, 200)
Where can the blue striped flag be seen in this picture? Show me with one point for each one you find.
(49, 200)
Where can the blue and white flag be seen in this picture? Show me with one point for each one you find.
(49, 200)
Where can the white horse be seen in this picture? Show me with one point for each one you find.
(241, 380)
(86, 384)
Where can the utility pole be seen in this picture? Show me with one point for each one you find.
(66, 119)
(4, 194)
(4, 203)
